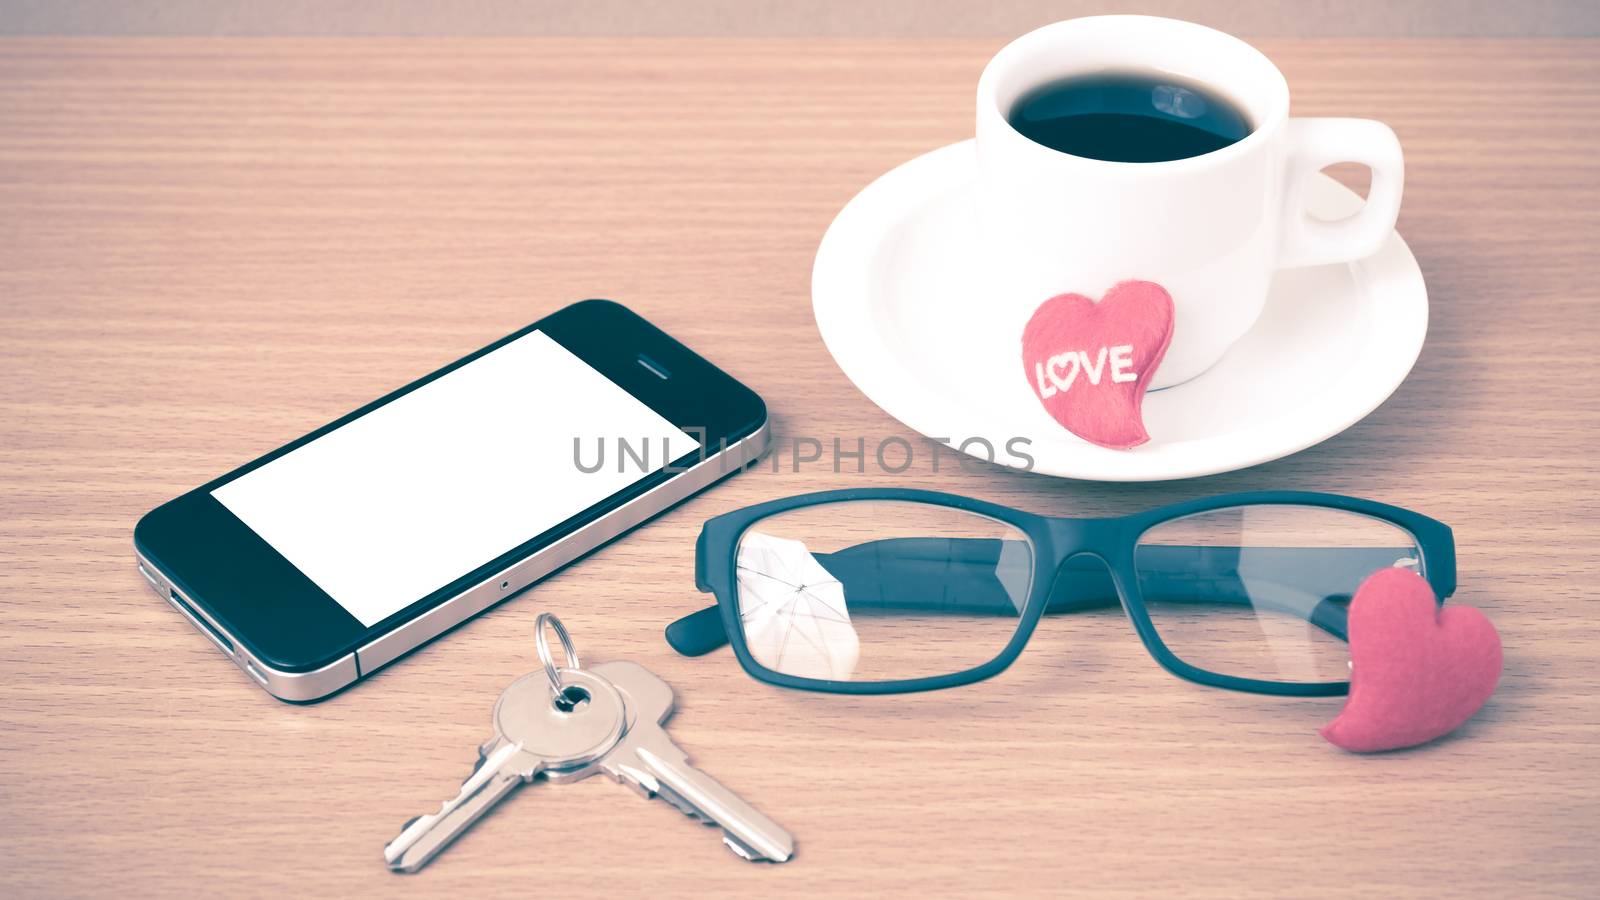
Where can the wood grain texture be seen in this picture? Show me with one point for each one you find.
(781, 18)
(208, 247)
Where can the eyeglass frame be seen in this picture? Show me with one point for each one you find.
(1113, 541)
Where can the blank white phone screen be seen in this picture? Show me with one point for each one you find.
(399, 503)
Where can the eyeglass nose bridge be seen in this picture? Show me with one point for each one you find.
(1105, 539)
(1083, 579)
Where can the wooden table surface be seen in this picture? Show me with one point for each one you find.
(208, 247)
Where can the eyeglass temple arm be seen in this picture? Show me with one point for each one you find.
(911, 573)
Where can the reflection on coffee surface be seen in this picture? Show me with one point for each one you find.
(1129, 117)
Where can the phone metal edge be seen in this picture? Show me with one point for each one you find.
(295, 687)
(301, 687)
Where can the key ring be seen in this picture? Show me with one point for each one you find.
(542, 645)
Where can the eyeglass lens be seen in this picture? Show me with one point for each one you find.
(1262, 591)
(880, 590)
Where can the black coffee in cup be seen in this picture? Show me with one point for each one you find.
(1129, 117)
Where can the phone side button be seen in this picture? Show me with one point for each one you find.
(156, 584)
(257, 674)
(301, 687)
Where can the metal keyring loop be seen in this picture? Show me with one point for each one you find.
(542, 645)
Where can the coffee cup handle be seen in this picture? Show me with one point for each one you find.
(1314, 144)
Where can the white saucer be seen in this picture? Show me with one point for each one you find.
(896, 290)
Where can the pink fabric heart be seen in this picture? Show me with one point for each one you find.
(1417, 670)
(1089, 363)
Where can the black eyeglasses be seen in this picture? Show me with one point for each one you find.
(888, 590)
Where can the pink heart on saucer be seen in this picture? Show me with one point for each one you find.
(1417, 670)
(1089, 363)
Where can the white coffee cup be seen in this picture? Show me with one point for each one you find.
(1211, 229)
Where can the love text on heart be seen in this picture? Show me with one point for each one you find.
(1060, 372)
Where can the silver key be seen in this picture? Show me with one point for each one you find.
(532, 737)
(647, 760)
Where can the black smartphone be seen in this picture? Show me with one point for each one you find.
(341, 551)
